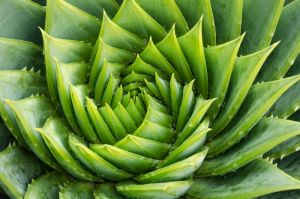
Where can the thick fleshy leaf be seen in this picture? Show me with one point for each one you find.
(17, 85)
(260, 98)
(228, 23)
(32, 113)
(145, 147)
(73, 73)
(243, 75)
(255, 179)
(116, 36)
(78, 96)
(106, 191)
(220, 61)
(176, 171)
(94, 162)
(268, 133)
(18, 167)
(21, 19)
(55, 133)
(65, 21)
(167, 190)
(260, 19)
(17, 54)
(192, 11)
(166, 13)
(96, 7)
(288, 103)
(128, 161)
(78, 190)
(284, 56)
(170, 48)
(65, 51)
(47, 186)
(192, 47)
(133, 18)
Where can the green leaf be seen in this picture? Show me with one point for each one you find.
(17, 54)
(170, 48)
(78, 190)
(176, 96)
(47, 186)
(192, 11)
(96, 7)
(113, 122)
(268, 133)
(260, 19)
(167, 190)
(78, 96)
(101, 127)
(17, 85)
(72, 73)
(192, 47)
(133, 18)
(220, 61)
(189, 147)
(290, 165)
(94, 162)
(228, 23)
(176, 171)
(21, 19)
(125, 118)
(144, 147)
(106, 191)
(65, 51)
(18, 167)
(165, 13)
(255, 179)
(32, 113)
(160, 62)
(109, 91)
(123, 159)
(260, 98)
(65, 21)
(118, 37)
(243, 75)
(284, 56)
(56, 133)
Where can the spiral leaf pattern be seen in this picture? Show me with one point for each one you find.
(150, 99)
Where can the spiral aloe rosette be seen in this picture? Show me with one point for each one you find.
(149, 99)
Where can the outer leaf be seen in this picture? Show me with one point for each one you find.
(17, 85)
(268, 133)
(134, 19)
(20, 20)
(78, 190)
(55, 133)
(165, 13)
(256, 179)
(228, 17)
(288, 32)
(193, 10)
(96, 7)
(16, 54)
(46, 186)
(32, 113)
(18, 168)
(260, 19)
(65, 21)
(106, 191)
(260, 98)
(243, 75)
(167, 190)
(220, 62)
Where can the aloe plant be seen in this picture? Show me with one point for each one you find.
(149, 99)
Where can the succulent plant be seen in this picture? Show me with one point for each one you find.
(150, 99)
